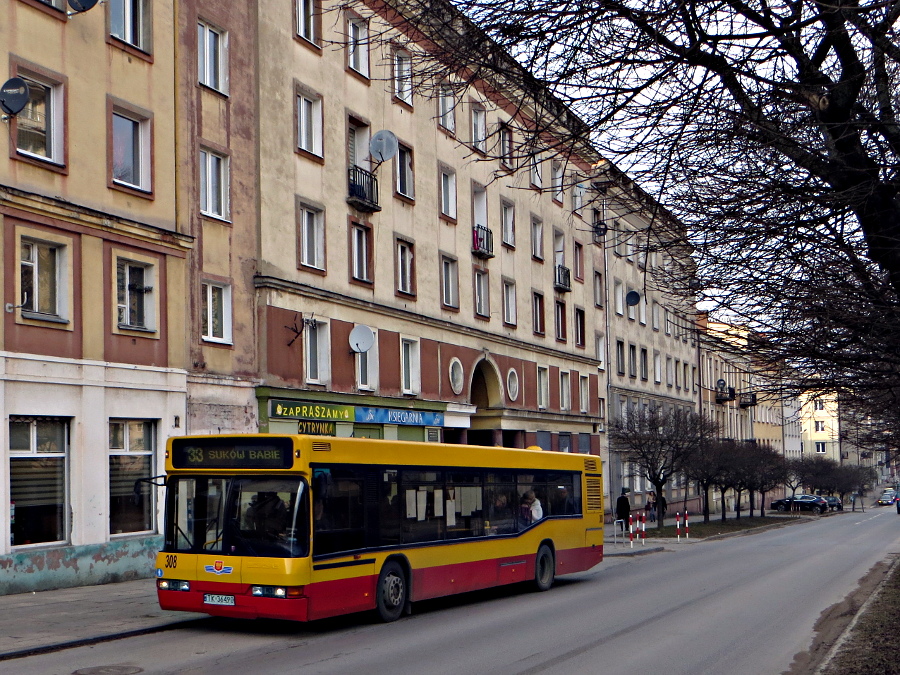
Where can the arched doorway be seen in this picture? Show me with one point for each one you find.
(486, 394)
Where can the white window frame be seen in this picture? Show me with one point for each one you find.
(317, 352)
(148, 306)
(600, 350)
(565, 390)
(557, 182)
(657, 367)
(367, 367)
(632, 313)
(534, 171)
(312, 237)
(579, 328)
(599, 299)
(53, 120)
(543, 387)
(309, 124)
(448, 192)
(479, 128)
(584, 393)
(449, 282)
(819, 426)
(212, 57)
(619, 295)
(578, 192)
(509, 302)
(134, 22)
(361, 243)
(405, 267)
(148, 450)
(482, 292)
(821, 447)
(307, 11)
(506, 145)
(559, 320)
(508, 223)
(209, 290)
(214, 167)
(358, 45)
(142, 147)
(403, 77)
(403, 175)
(410, 367)
(537, 238)
(57, 281)
(447, 108)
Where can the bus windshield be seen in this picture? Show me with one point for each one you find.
(264, 517)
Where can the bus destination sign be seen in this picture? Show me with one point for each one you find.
(232, 453)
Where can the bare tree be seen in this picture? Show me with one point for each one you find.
(705, 467)
(659, 442)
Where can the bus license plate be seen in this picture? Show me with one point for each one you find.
(212, 599)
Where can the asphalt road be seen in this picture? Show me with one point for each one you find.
(744, 604)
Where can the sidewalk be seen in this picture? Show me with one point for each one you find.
(51, 619)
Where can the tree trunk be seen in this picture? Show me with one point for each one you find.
(724, 505)
(705, 488)
(752, 502)
(737, 504)
(762, 504)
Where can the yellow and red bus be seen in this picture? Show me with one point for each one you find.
(308, 527)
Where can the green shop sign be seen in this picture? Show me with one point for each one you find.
(294, 410)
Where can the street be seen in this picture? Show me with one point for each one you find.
(745, 604)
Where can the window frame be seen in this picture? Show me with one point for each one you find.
(142, 146)
(309, 127)
(311, 219)
(207, 172)
(449, 282)
(481, 292)
(402, 72)
(537, 239)
(55, 126)
(410, 366)
(149, 307)
(367, 361)
(565, 390)
(136, 35)
(361, 261)
(446, 108)
(508, 223)
(538, 318)
(309, 23)
(448, 192)
(543, 387)
(404, 173)
(212, 64)
(557, 181)
(60, 280)
(559, 320)
(580, 327)
(405, 266)
(479, 128)
(317, 371)
(510, 310)
(358, 45)
(149, 451)
(206, 311)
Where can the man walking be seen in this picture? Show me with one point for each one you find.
(623, 508)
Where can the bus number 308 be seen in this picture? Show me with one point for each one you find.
(171, 561)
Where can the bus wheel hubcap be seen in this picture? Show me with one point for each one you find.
(393, 590)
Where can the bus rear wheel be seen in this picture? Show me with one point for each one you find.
(391, 592)
(544, 568)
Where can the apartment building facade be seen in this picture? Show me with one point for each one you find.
(93, 377)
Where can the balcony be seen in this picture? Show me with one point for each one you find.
(747, 399)
(482, 242)
(363, 190)
(562, 279)
(725, 394)
(598, 231)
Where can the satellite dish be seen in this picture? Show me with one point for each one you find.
(14, 95)
(383, 145)
(362, 339)
(81, 5)
(632, 298)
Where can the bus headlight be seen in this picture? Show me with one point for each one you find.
(173, 585)
(276, 591)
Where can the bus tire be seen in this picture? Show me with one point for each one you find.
(544, 568)
(390, 595)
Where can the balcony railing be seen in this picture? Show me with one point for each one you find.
(562, 279)
(362, 190)
(482, 242)
(725, 394)
(598, 231)
(747, 399)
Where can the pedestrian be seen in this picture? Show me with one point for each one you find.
(650, 507)
(853, 501)
(623, 508)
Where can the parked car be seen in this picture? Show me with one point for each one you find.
(834, 503)
(887, 498)
(812, 503)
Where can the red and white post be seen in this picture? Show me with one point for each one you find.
(631, 531)
(678, 525)
(687, 531)
(643, 529)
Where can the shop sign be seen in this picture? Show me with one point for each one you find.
(282, 409)
(418, 418)
(315, 428)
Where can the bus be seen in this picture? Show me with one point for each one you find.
(307, 527)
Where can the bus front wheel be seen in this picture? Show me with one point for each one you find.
(391, 592)
(544, 568)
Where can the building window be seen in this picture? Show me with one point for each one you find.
(482, 293)
(367, 368)
(212, 57)
(309, 123)
(654, 315)
(134, 282)
(632, 313)
(632, 361)
(358, 45)
(410, 373)
(584, 393)
(40, 125)
(559, 319)
(642, 310)
(657, 367)
(600, 350)
(216, 312)
(818, 404)
(645, 374)
(361, 252)
(670, 372)
(317, 352)
(534, 172)
(479, 129)
(506, 145)
(537, 239)
(578, 192)
(578, 261)
(127, 22)
(312, 238)
(448, 193)
(565, 391)
(508, 223)
(38, 479)
(131, 449)
(543, 387)
(449, 282)
(40, 274)
(403, 175)
(403, 86)
(307, 13)
(509, 302)
(620, 357)
(537, 312)
(556, 181)
(820, 425)
(820, 447)
(213, 184)
(579, 327)
(131, 150)
(598, 289)
(619, 295)
(406, 270)
(447, 108)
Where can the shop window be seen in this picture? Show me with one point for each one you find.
(131, 504)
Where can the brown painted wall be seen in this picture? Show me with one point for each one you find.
(389, 363)
(343, 360)
(468, 357)
(284, 362)
(430, 360)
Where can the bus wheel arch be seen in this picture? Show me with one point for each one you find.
(545, 566)
(392, 591)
